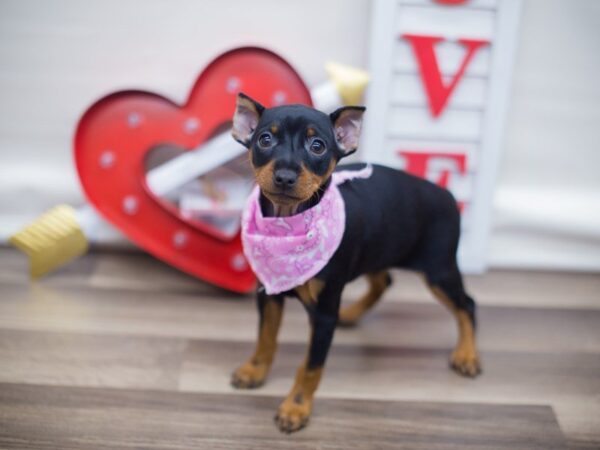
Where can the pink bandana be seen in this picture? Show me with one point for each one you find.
(285, 252)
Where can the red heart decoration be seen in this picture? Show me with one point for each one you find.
(115, 134)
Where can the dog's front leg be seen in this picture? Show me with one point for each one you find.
(295, 410)
(252, 373)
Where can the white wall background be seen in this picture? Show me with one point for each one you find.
(547, 207)
(57, 57)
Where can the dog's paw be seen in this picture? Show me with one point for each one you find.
(349, 316)
(249, 376)
(465, 363)
(293, 415)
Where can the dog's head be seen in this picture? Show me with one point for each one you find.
(294, 148)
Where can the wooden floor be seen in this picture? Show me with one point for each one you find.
(121, 351)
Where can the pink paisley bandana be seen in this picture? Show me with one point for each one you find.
(285, 252)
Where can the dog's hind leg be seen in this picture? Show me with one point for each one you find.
(378, 283)
(447, 286)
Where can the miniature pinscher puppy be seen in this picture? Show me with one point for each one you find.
(392, 220)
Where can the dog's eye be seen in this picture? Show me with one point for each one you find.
(317, 146)
(265, 140)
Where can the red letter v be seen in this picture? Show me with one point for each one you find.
(437, 92)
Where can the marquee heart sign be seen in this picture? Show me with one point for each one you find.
(116, 133)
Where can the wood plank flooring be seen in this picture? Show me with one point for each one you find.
(81, 418)
(120, 351)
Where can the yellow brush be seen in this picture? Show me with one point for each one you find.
(63, 233)
(54, 239)
(350, 82)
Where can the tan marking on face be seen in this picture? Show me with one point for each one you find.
(309, 291)
(264, 179)
(309, 182)
(274, 128)
(310, 132)
(264, 176)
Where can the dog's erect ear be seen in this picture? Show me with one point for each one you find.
(246, 116)
(347, 123)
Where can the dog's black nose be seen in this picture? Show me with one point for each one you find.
(285, 178)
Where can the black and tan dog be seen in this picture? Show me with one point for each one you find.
(393, 219)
